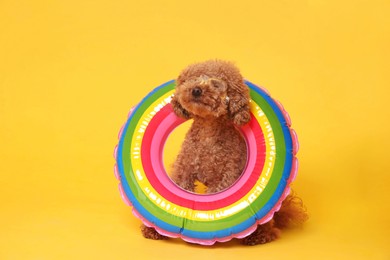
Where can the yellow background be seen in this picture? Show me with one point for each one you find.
(71, 70)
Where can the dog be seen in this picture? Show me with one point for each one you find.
(214, 95)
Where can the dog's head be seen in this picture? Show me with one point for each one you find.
(212, 89)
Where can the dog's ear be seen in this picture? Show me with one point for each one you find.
(178, 109)
(238, 95)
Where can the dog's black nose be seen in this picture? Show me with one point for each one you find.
(196, 92)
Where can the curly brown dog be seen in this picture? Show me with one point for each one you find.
(214, 95)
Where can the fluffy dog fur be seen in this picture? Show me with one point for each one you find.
(214, 95)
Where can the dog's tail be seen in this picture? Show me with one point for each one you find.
(292, 213)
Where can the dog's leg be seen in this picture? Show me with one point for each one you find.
(230, 173)
(151, 233)
(185, 181)
(183, 174)
(263, 234)
(214, 187)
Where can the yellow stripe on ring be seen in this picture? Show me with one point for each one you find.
(189, 213)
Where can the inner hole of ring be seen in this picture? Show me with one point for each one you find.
(171, 149)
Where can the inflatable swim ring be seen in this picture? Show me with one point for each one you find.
(199, 218)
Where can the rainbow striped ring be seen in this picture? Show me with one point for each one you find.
(198, 218)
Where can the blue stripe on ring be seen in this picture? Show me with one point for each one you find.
(237, 228)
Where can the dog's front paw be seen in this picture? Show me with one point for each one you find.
(151, 233)
(242, 118)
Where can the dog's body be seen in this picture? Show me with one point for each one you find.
(214, 94)
(211, 154)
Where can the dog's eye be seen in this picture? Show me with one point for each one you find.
(217, 84)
